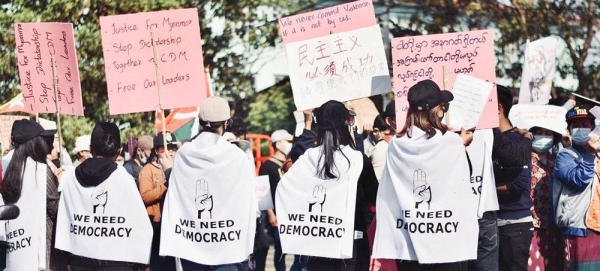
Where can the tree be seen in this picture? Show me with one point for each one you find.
(230, 30)
(575, 22)
(272, 109)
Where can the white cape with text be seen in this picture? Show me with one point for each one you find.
(316, 217)
(210, 210)
(26, 234)
(426, 210)
(106, 222)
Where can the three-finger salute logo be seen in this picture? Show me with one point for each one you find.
(421, 190)
(204, 200)
(318, 196)
(99, 198)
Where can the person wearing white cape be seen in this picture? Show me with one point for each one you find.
(31, 185)
(102, 221)
(209, 215)
(426, 211)
(330, 185)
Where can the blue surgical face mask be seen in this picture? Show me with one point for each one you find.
(542, 143)
(580, 135)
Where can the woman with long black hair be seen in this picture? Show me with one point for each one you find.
(337, 182)
(31, 185)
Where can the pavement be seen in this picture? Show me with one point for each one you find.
(289, 259)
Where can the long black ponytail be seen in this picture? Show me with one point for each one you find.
(332, 132)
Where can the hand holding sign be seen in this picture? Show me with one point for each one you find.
(99, 197)
(421, 190)
(204, 201)
(319, 196)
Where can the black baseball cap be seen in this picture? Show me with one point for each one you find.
(158, 139)
(24, 130)
(426, 94)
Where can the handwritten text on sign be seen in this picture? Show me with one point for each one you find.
(263, 193)
(129, 60)
(322, 22)
(423, 57)
(550, 117)
(470, 97)
(343, 67)
(36, 44)
(6, 123)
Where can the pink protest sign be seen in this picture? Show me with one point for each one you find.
(423, 57)
(36, 44)
(340, 18)
(129, 60)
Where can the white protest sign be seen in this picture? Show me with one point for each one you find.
(549, 117)
(263, 193)
(470, 98)
(538, 71)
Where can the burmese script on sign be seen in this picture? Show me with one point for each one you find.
(424, 57)
(36, 44)
(129, 60)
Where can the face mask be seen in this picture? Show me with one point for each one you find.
(581, 135)
(542, 143)
(287, 149)
(120, 163)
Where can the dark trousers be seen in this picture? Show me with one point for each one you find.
(102, 268)
(515, 240)
(157, 262)
(358, 262)
(403, 265)
(192, 266)
(487, 247)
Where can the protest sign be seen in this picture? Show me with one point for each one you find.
(550, 117)
(129, 60)
(538, 71)
(263, 193)
(37, 44)
(595, 111)
(424, 57)
(470, 98)
(335, 54)
(6, 122)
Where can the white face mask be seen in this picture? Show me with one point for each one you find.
(287, 148)
(542, 143)
(581, 135)
(120, 163)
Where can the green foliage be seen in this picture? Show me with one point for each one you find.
(576, 22)
(273, 110)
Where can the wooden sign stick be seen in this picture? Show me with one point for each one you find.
(56, 98)
(158, 85)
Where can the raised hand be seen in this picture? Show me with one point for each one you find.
(318, 196)
(421, 190)
(99, 197)
(204, 200)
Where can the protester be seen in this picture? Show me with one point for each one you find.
(153, 187)
(339, 181)
(426, 211)
(31, 185)
(483, 184)
(512, 161)
(101, 220)
(140, 151)
(379, 152)
(545, 250)
(390, 116)
(209, 216)
(576, 195)
(281, 141)
(82, 149)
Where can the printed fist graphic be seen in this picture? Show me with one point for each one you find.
(421, 190)
(319, 195)
(99, 197)
(204, 200)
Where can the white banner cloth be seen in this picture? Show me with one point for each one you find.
(106, 222)
(315, 216)
(426, 211)
(27, 233)
(210, 210)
